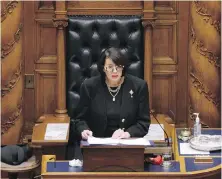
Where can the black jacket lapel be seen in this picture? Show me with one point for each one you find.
(101, 95)
(126, 101)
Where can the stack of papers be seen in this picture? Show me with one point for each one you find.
(111, 141)
(56, 131)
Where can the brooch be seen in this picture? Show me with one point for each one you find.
(131, 93)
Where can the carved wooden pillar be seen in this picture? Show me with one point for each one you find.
(148, 19)
(60, 22)
(11, 73)
(204, 62)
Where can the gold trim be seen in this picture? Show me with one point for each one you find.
(8, 9)
(182, 164)
(7, 48)
(207, 17)
(6, 124)
(213, 59)
(202, 90)
(149, 11)
(194, 174)
(11, 84)
(165, 72)
(60, 12)
(177, 153)
(102, 9)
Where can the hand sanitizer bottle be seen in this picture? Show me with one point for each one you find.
(197, 126)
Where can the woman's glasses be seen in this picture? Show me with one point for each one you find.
(112, 68)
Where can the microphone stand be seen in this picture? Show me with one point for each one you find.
(152, 113)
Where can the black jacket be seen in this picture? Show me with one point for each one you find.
(135, 109)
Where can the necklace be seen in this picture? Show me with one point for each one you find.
(113, 91)
(114, 95)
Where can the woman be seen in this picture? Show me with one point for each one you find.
(114, 104)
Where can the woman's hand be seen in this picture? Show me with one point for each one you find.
(85, 134)
(120, 134)
(124, 135)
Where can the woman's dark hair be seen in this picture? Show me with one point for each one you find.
(116, 56)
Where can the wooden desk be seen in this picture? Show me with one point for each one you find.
(154, 172)
(183, 167)
(211, 170)
(57, 147)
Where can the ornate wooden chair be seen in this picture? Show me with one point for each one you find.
(87, 37)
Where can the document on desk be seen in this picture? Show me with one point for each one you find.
(56, 131)
(111, 141)
(186, 149)
(155, 132)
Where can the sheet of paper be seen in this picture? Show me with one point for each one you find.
(155, 132)
(138, 141)
(56, 131)
(96, 140)
(110, 141)
(186, 149)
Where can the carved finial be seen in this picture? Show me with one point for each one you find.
(148, 23)
(60, 23)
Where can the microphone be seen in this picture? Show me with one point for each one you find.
(168, 142)
(54, 162)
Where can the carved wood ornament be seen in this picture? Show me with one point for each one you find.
(202, 39)
(203, 90)
(7, 123)
(12, 83)
(207, 17)
(8, 9)
(7, 48)
(212, 58)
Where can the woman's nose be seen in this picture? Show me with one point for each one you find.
(114, 69)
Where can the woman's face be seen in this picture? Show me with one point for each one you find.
(112, 71)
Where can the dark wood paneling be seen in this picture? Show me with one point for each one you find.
(29, 64)
(165, 58)
(164, 91)
(124, 5)
(166, 27)
(182, 83)
(105, 7)
(46, 5)
(166, 6)
(45, 95)
(46, 41)
(165, 42)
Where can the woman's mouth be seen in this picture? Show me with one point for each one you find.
(114, 76)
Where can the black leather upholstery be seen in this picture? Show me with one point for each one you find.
(87, 36)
